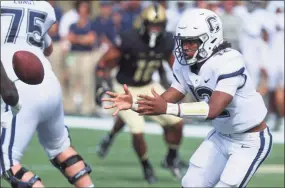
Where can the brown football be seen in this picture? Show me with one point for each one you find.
(28, 67)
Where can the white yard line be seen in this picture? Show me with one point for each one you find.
(271, 168)
(198, 131)
(263, 169)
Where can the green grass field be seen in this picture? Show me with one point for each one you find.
(121, 168)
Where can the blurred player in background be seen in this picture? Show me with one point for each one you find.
(139, 53)
(216, 76)
(275, 66)
(24, 26)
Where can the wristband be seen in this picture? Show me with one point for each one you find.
(173, 109)
(135, 106)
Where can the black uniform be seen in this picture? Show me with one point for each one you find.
(139, 61)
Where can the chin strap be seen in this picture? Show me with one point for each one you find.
(152, 40)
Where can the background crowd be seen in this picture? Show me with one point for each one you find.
(86, 29)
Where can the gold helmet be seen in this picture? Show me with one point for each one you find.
(154, 13)
(153, 22)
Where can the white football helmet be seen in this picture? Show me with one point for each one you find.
(203, 26)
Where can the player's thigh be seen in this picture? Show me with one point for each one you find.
(133, 120)
(52, 132)
(206, 164)
(244, 161)
(16, 137)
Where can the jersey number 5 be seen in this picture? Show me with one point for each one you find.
(202, 93)
(34, 29)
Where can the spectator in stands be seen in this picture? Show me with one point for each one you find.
(202, 4)
(80, 62)
(103, 24)
(231, 24)
(215, 7)
(117, 22)
(240, 9)
(130, 11)
(70, 17)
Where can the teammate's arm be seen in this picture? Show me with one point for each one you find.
(9, 91)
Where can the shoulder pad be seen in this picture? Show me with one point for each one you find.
(229, 64)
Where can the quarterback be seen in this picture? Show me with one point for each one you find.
(216, 76)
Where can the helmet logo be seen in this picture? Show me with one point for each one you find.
(213, 24)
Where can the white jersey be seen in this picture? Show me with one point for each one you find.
(23, 26)
(247, 108)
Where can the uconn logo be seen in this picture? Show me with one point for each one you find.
(213, 24)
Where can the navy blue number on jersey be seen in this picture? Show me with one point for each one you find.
(34, 29)
(202, 92)
(17, 17)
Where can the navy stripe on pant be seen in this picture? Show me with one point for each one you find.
(12, 139)
(261, 150)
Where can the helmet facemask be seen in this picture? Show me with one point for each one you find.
(198, 51)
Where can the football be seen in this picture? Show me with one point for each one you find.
(28, 67)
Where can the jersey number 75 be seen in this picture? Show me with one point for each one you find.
(34, 29)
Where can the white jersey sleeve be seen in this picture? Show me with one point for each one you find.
(178, 81)
(230, 73)
(50, 19)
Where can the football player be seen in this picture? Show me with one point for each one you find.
(216, 76)
(275, 66)
(24, 26)
(139, 53)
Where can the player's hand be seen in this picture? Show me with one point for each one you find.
(122, 101)
(155, 105)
